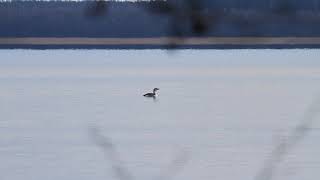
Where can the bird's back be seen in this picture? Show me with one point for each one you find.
(149, 95)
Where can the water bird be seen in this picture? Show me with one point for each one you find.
(153, 94)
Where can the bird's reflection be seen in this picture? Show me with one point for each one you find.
(155, 99)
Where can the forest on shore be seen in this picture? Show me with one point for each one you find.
(148, 19)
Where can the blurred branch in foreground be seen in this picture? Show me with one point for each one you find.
(283, 147)
(188, 11)
(120, 171)
(97, 8)
(118, 167)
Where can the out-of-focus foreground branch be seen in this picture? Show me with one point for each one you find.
(118, 167)
(283, 147)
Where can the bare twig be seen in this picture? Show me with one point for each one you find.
(283, 147)
(120, 171)
(97, 8)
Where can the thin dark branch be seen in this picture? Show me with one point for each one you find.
(97, 8)
(118, 167)
(284, 146)
(120, 171)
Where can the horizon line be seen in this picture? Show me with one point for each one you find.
(192, 41)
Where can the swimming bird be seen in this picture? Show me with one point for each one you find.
(153, 95)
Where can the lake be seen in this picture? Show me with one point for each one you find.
(80, 114)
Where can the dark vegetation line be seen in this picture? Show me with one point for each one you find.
(218, 18)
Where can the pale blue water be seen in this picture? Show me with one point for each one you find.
(225, 109)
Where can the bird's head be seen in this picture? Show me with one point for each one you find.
(155, 89)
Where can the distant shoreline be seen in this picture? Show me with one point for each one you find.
(145, 43)
(161, 41)
(143, 20)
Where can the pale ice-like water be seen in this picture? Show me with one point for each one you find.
(223, 110)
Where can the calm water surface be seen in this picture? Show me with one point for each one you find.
(224, 111)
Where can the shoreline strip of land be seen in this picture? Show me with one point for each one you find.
(192, 41)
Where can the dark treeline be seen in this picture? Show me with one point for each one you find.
(141, 19)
